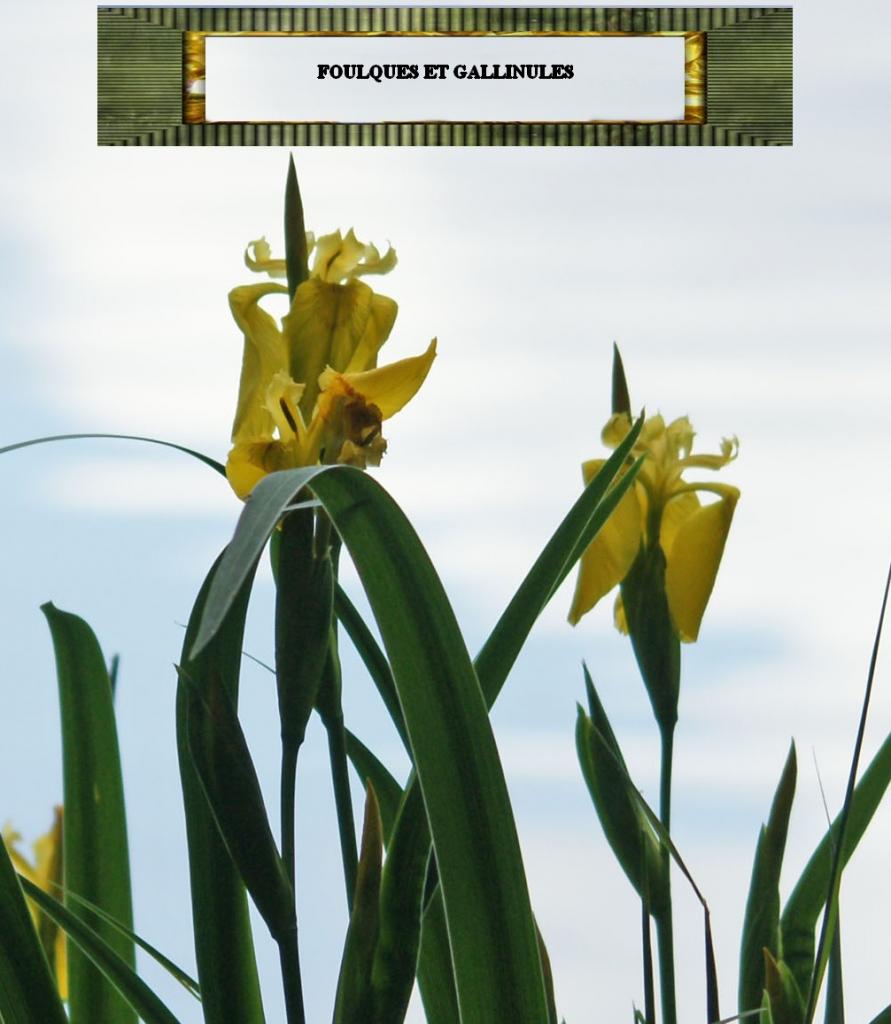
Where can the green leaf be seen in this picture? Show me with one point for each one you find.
(839, 837)
(330, 708)
(224, 948)
(578, 528)
(27, 988)
(435, 978)
(372, 657)
(133, 993)
(620, 399)
(835, 997)
(303, 607)
(784, 999)
(883, 1018)
(497, 656)
(465, 795)
(295, 233)
(206, 459)
(665, 839)
(646, 942)
(548, 977)
(624, 824)
(223, 763)
(402, 890)
(654, 640)
(761, 924)
(176, 972)
(386, 788)
(808, 898)
(354, 1003)
(95, 855)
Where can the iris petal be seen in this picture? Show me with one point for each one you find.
(388, 387)
(264, 355)
(675, 513)
(693, 560)
(607, 559)
(250, 461)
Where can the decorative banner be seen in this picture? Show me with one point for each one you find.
(445, 76)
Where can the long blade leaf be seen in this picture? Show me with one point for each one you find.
(206, 459)
(95, 855)
(838, 859)
(132, 991)
(578, 528)
(176, 972)
(372, 656)
(224, 947)
(27, 989)
(762, 919)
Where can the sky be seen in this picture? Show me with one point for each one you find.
(746, 288)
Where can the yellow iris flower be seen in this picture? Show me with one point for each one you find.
(661, 508)
(311, 390)
(46, 873)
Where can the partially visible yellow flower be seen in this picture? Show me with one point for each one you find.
(661, 508)
(46, 873)
(311, 390)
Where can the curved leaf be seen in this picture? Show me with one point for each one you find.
(175, 972)
(95, 855)
(27, 989)
(132, 991)
(206, 459)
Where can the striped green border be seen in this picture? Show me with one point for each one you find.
(748, 76)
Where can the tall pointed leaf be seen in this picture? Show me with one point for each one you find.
(839, 836)
(295, 233)
(435, 978)
(355, 998)
(762, 920)
(224, 947)
(576, 531)
(402, 891)
(386, 788)
(612, 792)
(95, 855)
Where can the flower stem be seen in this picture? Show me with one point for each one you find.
(289, 958)
(664, 923)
